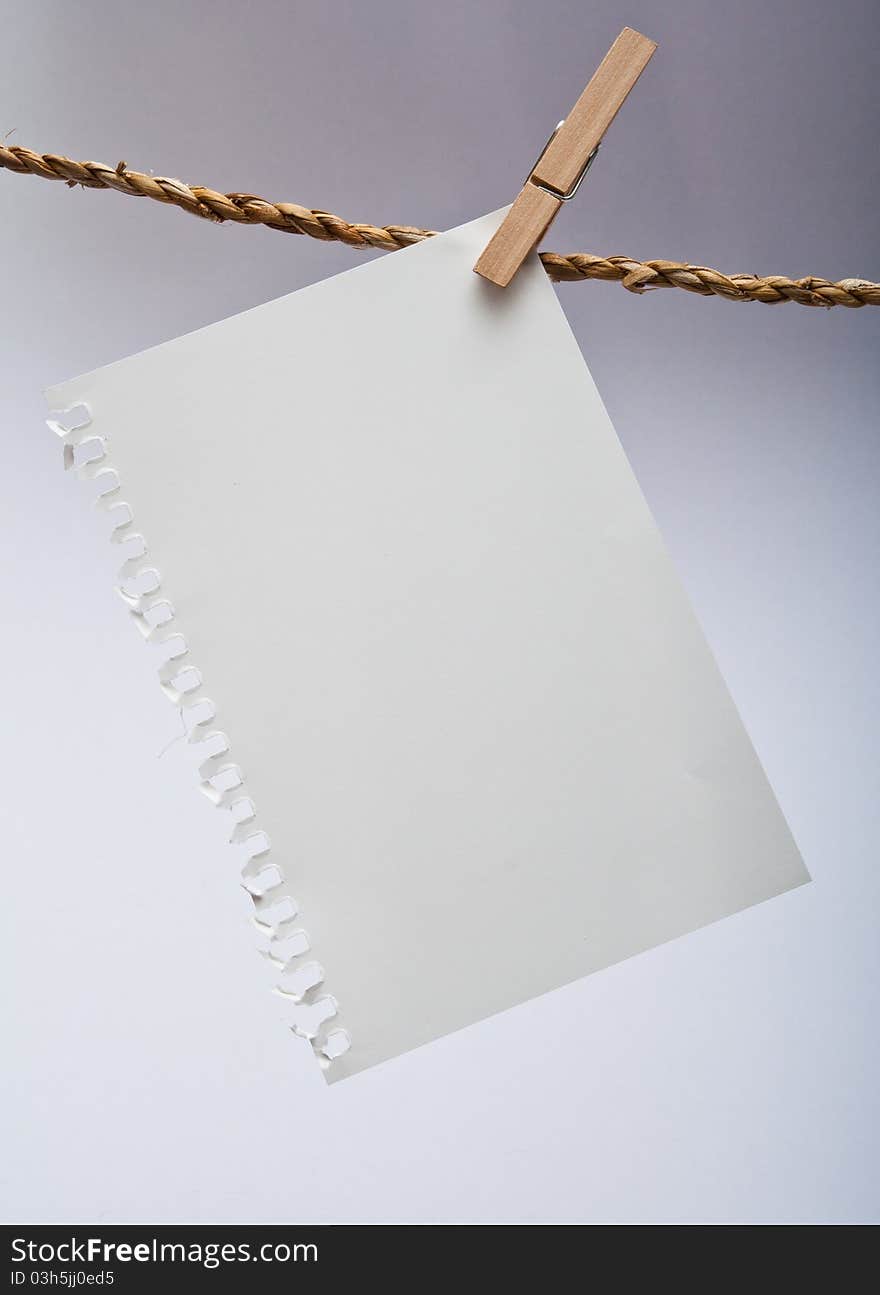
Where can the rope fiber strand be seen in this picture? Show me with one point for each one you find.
(248, 209)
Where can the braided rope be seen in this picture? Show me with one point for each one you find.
(248, 209)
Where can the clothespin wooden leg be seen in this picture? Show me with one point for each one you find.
(561, 167)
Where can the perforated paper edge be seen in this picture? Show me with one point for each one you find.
(309, 1010)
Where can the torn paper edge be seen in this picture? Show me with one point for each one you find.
(310, 1011)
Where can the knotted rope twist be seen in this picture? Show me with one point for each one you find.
(249, 209)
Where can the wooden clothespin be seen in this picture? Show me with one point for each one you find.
(556, 175)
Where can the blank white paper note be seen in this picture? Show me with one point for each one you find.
(473, 709)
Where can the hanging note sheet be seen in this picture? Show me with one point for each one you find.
(485, 747)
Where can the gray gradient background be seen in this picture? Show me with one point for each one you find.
(732, 1075)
